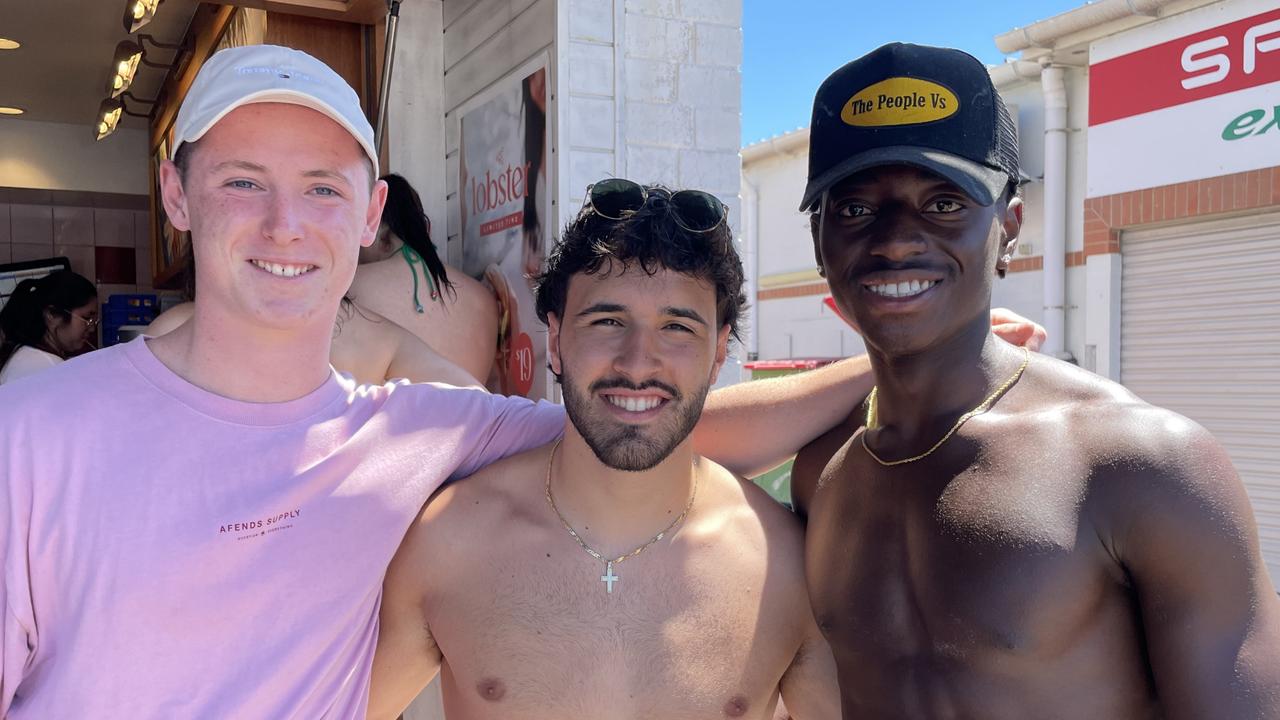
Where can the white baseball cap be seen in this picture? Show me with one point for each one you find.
(251, 74)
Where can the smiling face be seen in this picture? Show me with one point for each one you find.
(278, 201)
(636, 355)
(909, 257)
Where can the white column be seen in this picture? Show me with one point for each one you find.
(1102, 315)
(415, 107)
(1053, 82)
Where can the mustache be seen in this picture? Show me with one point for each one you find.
(623, 384)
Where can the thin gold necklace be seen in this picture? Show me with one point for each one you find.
(982, 407)
(609, 578)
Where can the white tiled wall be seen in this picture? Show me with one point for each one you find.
(37, 224)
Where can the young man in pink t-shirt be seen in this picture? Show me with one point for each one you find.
(197, 526)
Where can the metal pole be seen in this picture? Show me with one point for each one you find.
(388, 59)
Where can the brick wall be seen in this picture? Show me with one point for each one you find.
(1106, 216)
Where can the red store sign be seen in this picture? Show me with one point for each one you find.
(1220, 60)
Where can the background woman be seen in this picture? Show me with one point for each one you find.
(46, 320)
(402, 278)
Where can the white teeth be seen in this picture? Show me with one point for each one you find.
(634, 404)
(283, 270)
(902, 289)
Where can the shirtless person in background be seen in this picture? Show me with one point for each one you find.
(690, 602)
(401, 277)
(1068, 552)
(366, 346)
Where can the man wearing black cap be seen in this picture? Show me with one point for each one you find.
(1001, 536)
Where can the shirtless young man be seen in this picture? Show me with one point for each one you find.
(1072, 552)
(691, 601)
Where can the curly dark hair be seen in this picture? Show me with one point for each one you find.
(652, 241)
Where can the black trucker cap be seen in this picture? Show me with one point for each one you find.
(933, 108)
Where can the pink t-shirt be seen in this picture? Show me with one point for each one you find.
(171, 553)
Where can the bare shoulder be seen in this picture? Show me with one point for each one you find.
(390, 281)
(1108, 422)
(472, 295)
(170, 319)
(455, 530)
(759, 544)
(1137, 456)
(488, 502)
(750, 519)
(780, 524)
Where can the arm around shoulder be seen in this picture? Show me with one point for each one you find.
(1210, 613)
(752, 427)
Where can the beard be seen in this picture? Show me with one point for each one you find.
(631, 448)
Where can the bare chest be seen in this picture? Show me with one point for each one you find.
(993, 563)
(687, 631)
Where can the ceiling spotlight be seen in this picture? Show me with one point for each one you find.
(6, 110)
(7, 44)
(128, 55)
(110, 110)
(138, 13)
(124, 66)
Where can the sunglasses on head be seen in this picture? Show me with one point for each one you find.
(619, 199)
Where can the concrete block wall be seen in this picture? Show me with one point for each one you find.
(654, 93)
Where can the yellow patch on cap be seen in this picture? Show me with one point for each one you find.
(899, 101)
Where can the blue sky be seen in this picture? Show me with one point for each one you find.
(790, 46)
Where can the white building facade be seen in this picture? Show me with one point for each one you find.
(1150, 131)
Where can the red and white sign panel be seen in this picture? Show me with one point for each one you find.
(1192, 96)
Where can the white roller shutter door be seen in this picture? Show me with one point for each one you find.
(1200, 335)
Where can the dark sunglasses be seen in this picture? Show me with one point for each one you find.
(619, 199)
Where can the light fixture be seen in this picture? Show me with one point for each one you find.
(7, 44)
(109, 117)
(110, 111)
(6, 110)
(128, 55)
(124, 66)
(138, 13)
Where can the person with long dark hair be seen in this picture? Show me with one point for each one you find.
(46, 320)
(402, 278)
(534, 108)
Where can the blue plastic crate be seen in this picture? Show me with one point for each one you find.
(117, 316)
(133, 300)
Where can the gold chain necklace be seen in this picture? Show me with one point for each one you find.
(982, 407)
(609, 578)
